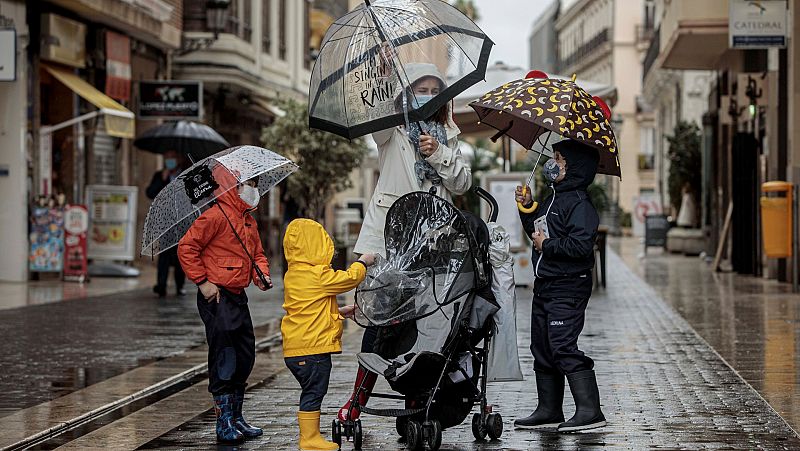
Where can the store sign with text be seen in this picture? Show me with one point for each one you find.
(171, 100)
(758, 24)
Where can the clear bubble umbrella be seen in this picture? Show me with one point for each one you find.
(368, 60)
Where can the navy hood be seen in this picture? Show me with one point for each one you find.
(582, 161)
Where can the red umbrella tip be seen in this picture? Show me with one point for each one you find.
(535, 74)
(603, 106)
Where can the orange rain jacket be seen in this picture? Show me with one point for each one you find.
(210, 250)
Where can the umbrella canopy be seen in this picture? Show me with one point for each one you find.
(355, 90)
(189, 138)
(182, 201)
(525, 109)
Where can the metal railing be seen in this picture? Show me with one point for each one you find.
(584, 50)
(652, 52)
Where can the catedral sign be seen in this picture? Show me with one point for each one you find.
(757, 24)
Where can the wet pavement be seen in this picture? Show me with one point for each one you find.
(750, 321)
(50, 350)
(661, 386)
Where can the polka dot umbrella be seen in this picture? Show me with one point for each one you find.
(196, 189)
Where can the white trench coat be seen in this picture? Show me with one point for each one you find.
(396, 158)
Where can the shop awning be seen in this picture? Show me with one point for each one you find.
(119, 121)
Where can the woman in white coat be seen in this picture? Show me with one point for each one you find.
(424, 157)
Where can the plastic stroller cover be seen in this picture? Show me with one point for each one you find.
(429, 263)
(433, 263)
(503, 364)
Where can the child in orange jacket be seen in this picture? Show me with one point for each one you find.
(213, 258)
(312, 326)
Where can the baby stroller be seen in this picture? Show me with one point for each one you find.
(432, 301)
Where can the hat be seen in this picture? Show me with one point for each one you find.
(417, 71)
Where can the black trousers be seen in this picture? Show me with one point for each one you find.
(557, 319)
(313, 372)
(165, 260)
(231, 341)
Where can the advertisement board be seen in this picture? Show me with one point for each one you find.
(112, 222)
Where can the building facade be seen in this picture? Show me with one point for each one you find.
(599, 41)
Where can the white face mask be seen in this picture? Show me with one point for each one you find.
(249, 195)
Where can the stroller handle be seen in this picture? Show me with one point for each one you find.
(483, 194)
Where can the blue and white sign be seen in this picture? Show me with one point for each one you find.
(758, 24)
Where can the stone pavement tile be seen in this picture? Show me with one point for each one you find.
(751, 321)
(67, 346)
(661, 386)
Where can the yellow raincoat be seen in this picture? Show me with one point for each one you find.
(312, 324)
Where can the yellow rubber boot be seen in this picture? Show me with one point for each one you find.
(310, 439)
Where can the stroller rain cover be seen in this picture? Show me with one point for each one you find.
(430, 262)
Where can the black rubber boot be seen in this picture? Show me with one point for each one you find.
(583, 386)
(548, 413)
(226, 430)
(239, 421)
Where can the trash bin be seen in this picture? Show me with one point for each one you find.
(776, 219)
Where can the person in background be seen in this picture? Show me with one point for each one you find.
(173, 166)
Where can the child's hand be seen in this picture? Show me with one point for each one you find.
(260, 285)
(348, 311)
(210, 291)
(367, 259)
(538, 240)
(524, 200)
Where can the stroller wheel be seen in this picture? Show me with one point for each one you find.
(357, 437)
(414, 439)
(401, 423)
(337, 432)
(478, 429)
(494, 425)
(433, 434)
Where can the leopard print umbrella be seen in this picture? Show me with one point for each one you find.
(524, 109)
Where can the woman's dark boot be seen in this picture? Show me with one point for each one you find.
(588, 415)
(238, 420)
(548, 413)
(226, 430)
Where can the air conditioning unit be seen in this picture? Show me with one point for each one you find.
(63, 40)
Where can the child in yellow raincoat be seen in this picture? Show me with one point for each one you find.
(312, 326)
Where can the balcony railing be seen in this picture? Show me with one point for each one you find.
(584, 50)
(652, 52)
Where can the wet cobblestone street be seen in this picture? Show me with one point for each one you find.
(661, 387)
(65, 346)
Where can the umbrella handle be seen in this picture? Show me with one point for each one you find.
(524, 209)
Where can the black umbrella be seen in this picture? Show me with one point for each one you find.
(198, 141)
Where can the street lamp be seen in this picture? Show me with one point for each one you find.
(217, 15)
(216, 20)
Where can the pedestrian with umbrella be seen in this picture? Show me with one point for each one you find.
(563, 229)
(380, 71)
(179, 142)
(206, 212)
(173, 165)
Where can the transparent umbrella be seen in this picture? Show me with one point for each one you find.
(368, 60)
(182, 201)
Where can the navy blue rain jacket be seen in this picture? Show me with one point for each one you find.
(571, 218)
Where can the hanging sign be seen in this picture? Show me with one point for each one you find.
(757, 24)
(8, 55)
